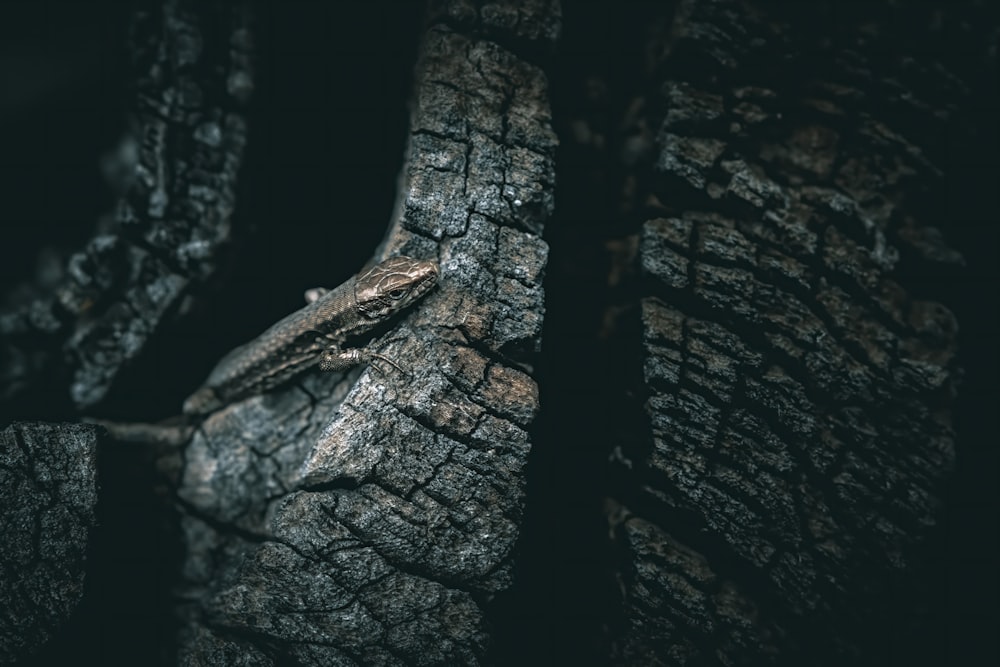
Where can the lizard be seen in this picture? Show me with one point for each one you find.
(315, 334)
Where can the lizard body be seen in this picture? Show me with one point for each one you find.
(314, 334)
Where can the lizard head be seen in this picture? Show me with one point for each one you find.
(393, 285)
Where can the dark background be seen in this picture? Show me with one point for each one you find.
(327, 131)
(328, 124)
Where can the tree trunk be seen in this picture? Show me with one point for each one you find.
(377, 514)
(748, 382)
(780, 370)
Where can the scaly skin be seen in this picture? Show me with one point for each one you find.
(297, 342)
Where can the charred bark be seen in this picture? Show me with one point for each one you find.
(749, 378)
(69, 336)
(799, 377)
(192, 78)
(378, 514)
(48, 493)
(360, 518)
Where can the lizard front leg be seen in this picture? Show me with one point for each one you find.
(335, 359)
(314, 293)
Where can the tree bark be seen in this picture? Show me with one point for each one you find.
(377, 514)
(747, 388)
(48, 493)
(799, 381)
(192, 79)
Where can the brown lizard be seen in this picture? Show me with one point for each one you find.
(313, 335)
(297, 342)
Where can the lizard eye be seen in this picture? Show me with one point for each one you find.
(398, 294)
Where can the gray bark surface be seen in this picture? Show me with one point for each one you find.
(48, 493)
(749, 378)
(800, 381)
(367, 519)
(68, 336)
(178, 173)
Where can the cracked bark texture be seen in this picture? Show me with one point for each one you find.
(177, 170)
(48, 492)
(800, 379)
(376, 515)
(778, 455)
(67, 337)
